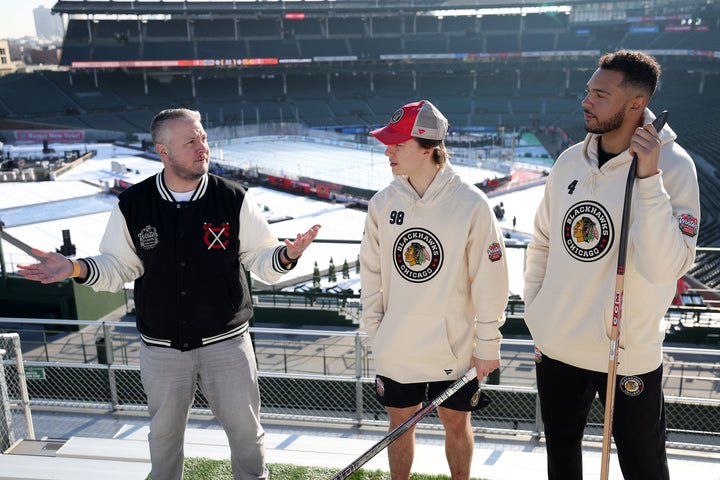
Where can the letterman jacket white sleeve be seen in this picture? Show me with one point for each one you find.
(260, 250)
(117, 263)
(371, 294)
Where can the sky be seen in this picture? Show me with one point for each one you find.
(16, 17)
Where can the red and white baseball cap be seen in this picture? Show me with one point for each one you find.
(420, 119)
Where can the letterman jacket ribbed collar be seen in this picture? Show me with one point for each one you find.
(167, 195)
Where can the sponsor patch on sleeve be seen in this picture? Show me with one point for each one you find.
(494, 252)
(688, 225)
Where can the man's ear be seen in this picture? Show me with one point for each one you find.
(638, 104)
(161, 150)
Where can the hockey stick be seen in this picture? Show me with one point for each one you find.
(617, 311)
(406, 425)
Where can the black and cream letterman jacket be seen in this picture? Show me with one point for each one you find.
(187, 260)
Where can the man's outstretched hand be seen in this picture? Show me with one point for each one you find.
(296, 248)
(53, 268)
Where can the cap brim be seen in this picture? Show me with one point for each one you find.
(388, 136)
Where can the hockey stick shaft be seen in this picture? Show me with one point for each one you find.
(617, 311)
(406, 425)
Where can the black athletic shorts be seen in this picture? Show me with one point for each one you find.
(402, 395)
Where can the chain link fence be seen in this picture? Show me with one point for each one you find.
(328, 376)
(15, 417)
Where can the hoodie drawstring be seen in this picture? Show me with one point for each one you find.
(590, 181)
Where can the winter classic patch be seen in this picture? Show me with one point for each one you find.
(688, 225)
(494, 252)
(148, 238)
(380, 386)
(631, 386)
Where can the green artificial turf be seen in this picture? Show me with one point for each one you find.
(207, 469)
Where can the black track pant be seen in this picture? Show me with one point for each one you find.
(566, 394)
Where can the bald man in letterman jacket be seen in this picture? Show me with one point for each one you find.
(185, 236)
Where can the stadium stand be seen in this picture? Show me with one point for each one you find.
(166, 29)
(259, 27)
(222, 49)
(347, 62)
(301, 28)
(216, 28)
(29, 95)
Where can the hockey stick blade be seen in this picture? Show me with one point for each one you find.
(406, 425)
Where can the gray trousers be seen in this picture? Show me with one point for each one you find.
(228, 377)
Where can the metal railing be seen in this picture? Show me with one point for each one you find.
(308, 375)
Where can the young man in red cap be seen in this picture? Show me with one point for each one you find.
(434, 285)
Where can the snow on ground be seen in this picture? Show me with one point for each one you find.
(37, 213)
(368, 169)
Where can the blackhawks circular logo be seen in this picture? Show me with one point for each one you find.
(397, 116)
(632, 386)
(587, 231)
(418, 255)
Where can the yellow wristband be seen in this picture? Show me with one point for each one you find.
(76, 268)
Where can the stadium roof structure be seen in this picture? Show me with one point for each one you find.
(393, 7)
(230, 6)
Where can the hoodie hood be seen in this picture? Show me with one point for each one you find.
(590, 150)
(446, 182)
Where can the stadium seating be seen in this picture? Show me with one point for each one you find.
(167, 29)
(273, 49)
(32, 94)
(167, 50)
(222, 49)
(426, 43)
(307, 86)
(302, 28)
(346, 26)
(263, 88)
(502, 42)
(459, 25)
(220, 28)
(498, 90)
(531, 42)
(493, 86)
(546, 21)
(314, 113)
(259, 27)
(501, 23)
(84, 93)
(385, 25)
(310, 48)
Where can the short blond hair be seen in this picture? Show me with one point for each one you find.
(157, 126)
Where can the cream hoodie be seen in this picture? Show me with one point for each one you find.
(572, 259)
(434, 279)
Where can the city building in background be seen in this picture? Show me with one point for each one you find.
(48, 25)
(6, 64)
